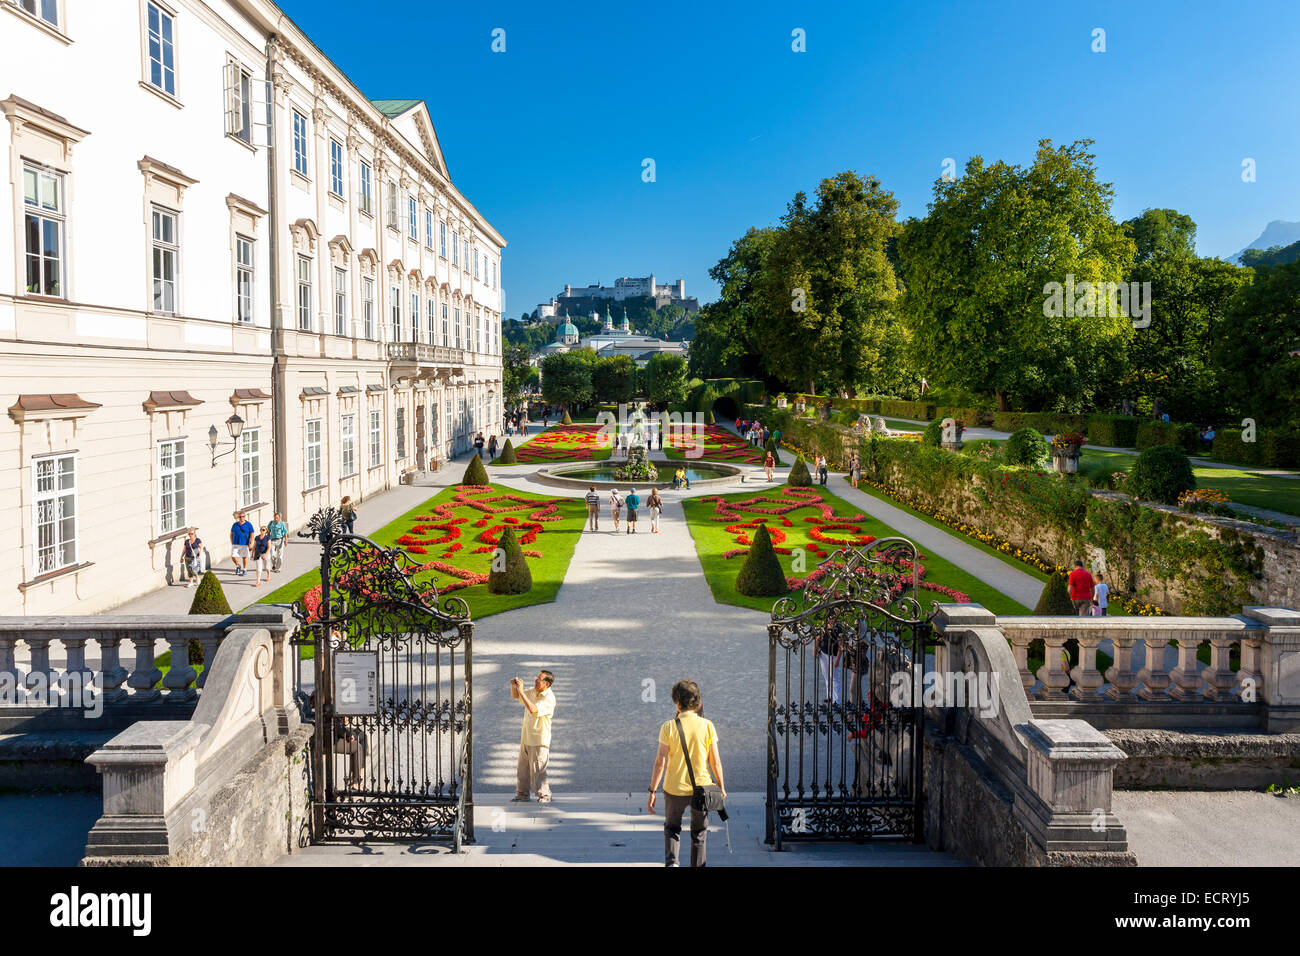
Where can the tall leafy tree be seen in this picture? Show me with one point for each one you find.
(828, 289)
(1258, 356)
(977, 270)
(665, 378)
(515, 372)
(613, 378)
(722, 346)
(566, 377)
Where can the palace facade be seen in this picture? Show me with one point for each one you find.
(237, 284)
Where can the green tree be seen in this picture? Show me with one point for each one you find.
(722, 346)
(977, 270)
(515, 577)
(508, 456)
(209, 598)
(475, 473)
(665, 377)
(515, 372)
(1258, 357)
(1161, 473)
(1272, 256)
(799, 476)
(566, 377)
(828, 289)
(1054, 600)
(761, 574)
(613, 379)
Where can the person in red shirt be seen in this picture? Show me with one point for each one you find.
(1081, 584)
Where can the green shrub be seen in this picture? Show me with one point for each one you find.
(970, 417)
(761, 574)
(1027, 446)
(516, 578)
(475, 473)
(1228, 446)
(1278, 448)
(507, 454)
(770, 445)
(1055, 599)
(1176, 434)
(1049, 423)
(933, 434)
(1160, 474)
(567, 419)
(208, 599)
(1113, 431)
(709, 419)
(799, 476)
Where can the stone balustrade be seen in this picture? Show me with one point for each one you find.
(95, 662)
(1154, 674)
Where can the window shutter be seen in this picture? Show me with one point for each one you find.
(234, 106)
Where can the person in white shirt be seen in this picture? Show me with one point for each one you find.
(535, 738)
(1100, 598)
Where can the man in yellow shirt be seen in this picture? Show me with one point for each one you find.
(535, 738)
(702, 745)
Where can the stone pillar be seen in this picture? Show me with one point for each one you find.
(145, 674)
(1280, 666)
(180, 675)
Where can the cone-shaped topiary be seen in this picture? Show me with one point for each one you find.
(1055, 599)
(799, 476)
(507, 454)
(475, 473)
(516, 578)
(208, 599)
(770, 445)
(566, 420)
(761, 574)
(1160, 474)
(709, 419)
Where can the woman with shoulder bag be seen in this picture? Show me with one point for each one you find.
(349, 512)
(689, 763)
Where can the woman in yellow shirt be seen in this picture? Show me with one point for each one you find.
(706, 762)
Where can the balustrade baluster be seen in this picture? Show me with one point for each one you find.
(1020, 650)
(1218, 682)
(112, 673)
(42, 676)
(11, 678)
(181, 673)
(1250, 678)
(209, 640)
(145, 675)
(1153, 678)
(1186, 677)
(1088, 680)
(1052, 674)
(77, 679)
(1120, 674)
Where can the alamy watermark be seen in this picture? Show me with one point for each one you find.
(978, 691)
(1130, 300)
(644, 427)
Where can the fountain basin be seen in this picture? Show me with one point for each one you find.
(582, 475)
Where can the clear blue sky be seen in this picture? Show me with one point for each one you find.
(547, 139)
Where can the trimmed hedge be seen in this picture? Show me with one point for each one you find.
(475, 473)
(1175, 434)
(1161, 473)
(933, 434)
(799, 476)
(1113, 431)
(567, 419)
(761, 574)
(508, 454)
(1049, 423)
(1027, 447)
(516, 578)
(1055, 599)
(1272, 447)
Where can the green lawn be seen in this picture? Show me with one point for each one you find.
(555, 542)
(712, 541)
(1274, 492)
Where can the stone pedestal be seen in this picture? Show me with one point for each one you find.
(1065, 464)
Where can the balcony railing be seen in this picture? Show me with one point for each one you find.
(420, 354)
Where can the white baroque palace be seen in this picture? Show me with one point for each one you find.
(216, 234)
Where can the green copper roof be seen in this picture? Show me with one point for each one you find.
(391, 108)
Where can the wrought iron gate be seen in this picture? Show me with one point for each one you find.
(844, 742)
(393, 752)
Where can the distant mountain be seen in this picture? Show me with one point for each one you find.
(1277, 233)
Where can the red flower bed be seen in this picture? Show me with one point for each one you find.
(714, 443)
(562, 443)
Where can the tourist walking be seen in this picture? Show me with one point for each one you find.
(241, 537)
(535, 737)
(262, 557)
(1081, 585)
(349, 513)
(593, 509)
(828, 659)
(478, 444)
(633, 502)
(688, 757)
(279, 533)
(855, 470)
(615, 505)
(192, 556)
(656, 506)
(492, 448)
(1100, 598)
(769, 463)
(821, 469)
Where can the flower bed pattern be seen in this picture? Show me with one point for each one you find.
(820, 543)
(498, 511)
(714, 444)
(561, 443)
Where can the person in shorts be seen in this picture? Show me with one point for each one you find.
(633, 502)
(241, 538)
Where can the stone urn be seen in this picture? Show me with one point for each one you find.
(952, 430)
(781, 401)
(799, 406)
(1065, 462)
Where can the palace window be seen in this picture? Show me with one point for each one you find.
(304, 293)
(313, 453)
(446, 340)
(442, 238)
(391, 191)
(395, 302)
(243, 279)
(336, 168)
(55, 512)
(44, 226)
(47, 10)
(250, 468)
(457, 316)
(348, 434)
(415, 316)
(166, 259)
(455, 248)
(299, 143)
(162, 49)
(171, 486)
(239, 105)
(376, 436)
(368, 305)
(401, 434)
(433, 319)
(340, 302)
(413, 218)
(367, 202)
(428, 228)
(476, 265)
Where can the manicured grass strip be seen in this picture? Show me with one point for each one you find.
(712, 541)
(1274, 492)
(556, 542)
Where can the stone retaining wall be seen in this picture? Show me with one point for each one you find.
(1188, 760)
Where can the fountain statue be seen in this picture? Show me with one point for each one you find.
(638, 466)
